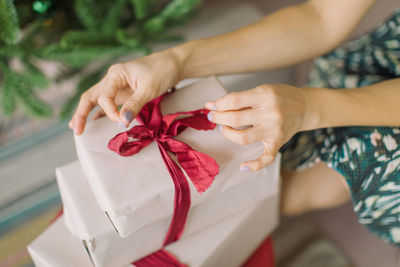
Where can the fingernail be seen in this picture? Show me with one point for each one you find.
(220, 128)
(244, 168)
(122, 125)
(128, 116)
(210, 106)
(209, 116)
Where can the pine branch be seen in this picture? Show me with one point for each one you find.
(75, 38)
(141, 8)
(90, 13)
(31, 103)
(7, 91)
(17, 86)
(9, 29)
(177, 11)
(11, 51)
(77, 57)
(127, 40)
(112, 21)
(32, 75)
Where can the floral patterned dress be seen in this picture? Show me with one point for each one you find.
(368, 157)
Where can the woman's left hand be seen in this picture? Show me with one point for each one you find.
(273, 112)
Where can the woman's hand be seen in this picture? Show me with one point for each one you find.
(273, 112)
(132, 85)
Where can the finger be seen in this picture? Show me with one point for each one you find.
(235, 101)
(133, 106)
(244, 117)
(264, 160)
(86, 103)
(115, 80)
(78, 120)
(244, 136)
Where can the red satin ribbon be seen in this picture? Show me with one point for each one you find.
(161, 258)
(200, 168)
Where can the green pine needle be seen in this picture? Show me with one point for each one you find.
(7, 97)
(34, 76)
(125, 39)
(7, 90)
(11, 51)
(31, 103)
(177, 11)
(77, 57)
(76, 38)
(15, 86)
(91, 12)
(141, 8)
(9, 28)
(113, 18)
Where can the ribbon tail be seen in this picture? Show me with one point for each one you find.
(181, 200)
(200, 168)
(161, 258)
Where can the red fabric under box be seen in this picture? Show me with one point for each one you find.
(263, 256)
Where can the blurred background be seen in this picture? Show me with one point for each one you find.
(57, 49)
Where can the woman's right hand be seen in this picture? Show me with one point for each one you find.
(131, 84)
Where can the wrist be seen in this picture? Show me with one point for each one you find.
(313, 112)
(327, 108)
(182, 55)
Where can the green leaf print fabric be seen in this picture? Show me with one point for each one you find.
(368, 157)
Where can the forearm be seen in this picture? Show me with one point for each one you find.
(286, 37)
(374, 105)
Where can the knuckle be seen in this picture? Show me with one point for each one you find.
(234, 99)
(84, 96)
(115, 68)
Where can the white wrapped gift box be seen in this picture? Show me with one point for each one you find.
(229, 242)
(137, 191)
(88, 222)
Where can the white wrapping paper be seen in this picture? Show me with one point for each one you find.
(87, 221)
(137, 191)
(229, 242)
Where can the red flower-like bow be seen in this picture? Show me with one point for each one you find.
(200, 168)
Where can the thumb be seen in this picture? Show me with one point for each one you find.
(132, 107)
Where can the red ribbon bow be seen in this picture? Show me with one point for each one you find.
(200, 168)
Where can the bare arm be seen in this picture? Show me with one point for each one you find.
(284, 38)
(374, 105)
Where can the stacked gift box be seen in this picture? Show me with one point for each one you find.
(122, 208)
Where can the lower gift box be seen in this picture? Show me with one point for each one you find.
(229, 242)
(87, 221)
